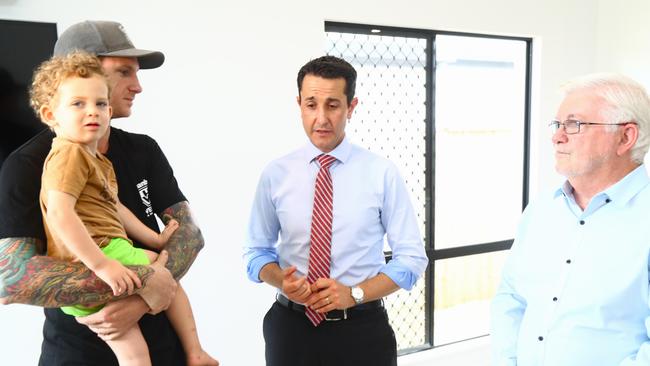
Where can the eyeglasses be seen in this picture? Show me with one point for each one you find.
(572, 126)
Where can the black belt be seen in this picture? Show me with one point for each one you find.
(333, 315)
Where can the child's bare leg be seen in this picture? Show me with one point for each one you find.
(131, 348)
(181, 317)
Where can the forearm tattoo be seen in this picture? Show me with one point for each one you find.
(28, 278)
(186, 242)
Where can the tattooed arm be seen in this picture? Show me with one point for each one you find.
(29, 278)
(186, 242)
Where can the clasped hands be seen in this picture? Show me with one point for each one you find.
(324, 295)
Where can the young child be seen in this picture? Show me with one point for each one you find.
(84, 219)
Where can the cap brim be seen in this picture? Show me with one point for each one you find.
(146, 59)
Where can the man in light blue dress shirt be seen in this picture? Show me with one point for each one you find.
(574, 290)
(370, 202)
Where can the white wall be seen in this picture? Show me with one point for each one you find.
(224, 104)
(622, 38)
(623, 34)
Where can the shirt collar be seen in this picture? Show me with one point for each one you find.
(564, 190)
(628, 187)
(61, 141)
(341, 152)
(619, 193)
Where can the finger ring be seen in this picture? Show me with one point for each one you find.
(328, 300)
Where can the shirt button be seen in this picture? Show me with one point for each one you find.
(568, 261)
(582, 222)
(540, 338)
(608, 200)
(555, 299)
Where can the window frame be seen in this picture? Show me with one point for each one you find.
(430, 138)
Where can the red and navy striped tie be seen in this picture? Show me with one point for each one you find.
(321, 230)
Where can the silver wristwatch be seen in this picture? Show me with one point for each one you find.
(357, 294)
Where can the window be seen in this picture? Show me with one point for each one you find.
(452, 111)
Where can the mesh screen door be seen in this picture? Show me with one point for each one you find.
(452, 111)
(390, 121)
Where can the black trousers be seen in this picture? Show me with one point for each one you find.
(365, 339)
(68, 343)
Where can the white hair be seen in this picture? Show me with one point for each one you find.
(627, 101)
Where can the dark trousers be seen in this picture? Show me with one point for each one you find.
(68, 343)
(365, 339)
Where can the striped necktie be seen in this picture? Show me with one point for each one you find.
(321, 230)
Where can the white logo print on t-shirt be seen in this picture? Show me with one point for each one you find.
(143, 189)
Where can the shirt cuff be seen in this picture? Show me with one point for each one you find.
(256, 261)
(402, 276)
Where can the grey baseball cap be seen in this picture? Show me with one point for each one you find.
(104, 38)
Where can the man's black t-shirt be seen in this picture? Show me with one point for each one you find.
(146, 186)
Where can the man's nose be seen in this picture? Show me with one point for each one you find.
(135, 86)
(321, 115)
(559, 135)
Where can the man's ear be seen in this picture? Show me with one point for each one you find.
(47, 116)
(353, 104)
(628, 138)
(298, 99)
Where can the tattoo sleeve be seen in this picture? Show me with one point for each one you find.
(186, 242)
(28, 278)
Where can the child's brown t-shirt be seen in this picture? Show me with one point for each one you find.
(71, 169)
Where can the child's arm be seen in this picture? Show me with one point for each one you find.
(66, 224)
(141, 232)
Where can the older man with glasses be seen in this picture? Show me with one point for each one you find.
(575, 287)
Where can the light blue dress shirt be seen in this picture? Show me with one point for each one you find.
(370, 202)
(574, 290)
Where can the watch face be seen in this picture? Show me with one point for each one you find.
(357, 293)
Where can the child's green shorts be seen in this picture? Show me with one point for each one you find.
(124, 252)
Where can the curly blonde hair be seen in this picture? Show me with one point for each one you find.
(51, 73)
